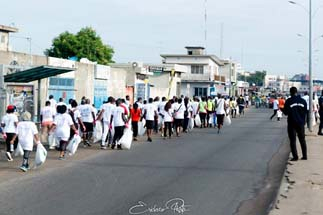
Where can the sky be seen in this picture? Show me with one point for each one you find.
(260, 34)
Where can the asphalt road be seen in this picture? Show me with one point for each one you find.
(200, 173)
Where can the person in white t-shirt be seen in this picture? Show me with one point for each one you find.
(275, 108)
(62, 124)
(168, 119)
(26, 132)
(118, 119)
(9, 124)
(76, 118)
(179, 109)
(105, 115)
(53, 102)
(161, 110)
(220, 111)
(150, 113)
(88, 118)
(47, 115)
(306, 97)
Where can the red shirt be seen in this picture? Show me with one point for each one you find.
(135, 114)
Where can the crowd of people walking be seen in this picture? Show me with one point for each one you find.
(65, 124)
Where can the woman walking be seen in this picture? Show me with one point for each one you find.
(179, 110)
(9, 123)
(26, 132)
(220, 112)
(118, 118)
(168, 119)
(62, 124)
(202, 112)
(135, 114)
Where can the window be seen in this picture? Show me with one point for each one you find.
(197, 69)
(200, 91)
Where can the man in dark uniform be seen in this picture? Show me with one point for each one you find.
(321, 114)
(295, 108)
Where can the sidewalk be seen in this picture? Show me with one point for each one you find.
(302, 187)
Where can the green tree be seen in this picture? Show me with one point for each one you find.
(84, 44)
(254, 78)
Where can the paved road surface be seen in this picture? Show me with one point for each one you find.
(214, 174)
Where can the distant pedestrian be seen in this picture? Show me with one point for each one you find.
(295, 109)
(168, 119)
(9, 124)
(26, 132)
(241, 104)
(220, 112)
(179, 109)
(135, 114)
(119, 120)
(150, 114)
(321, 114)
(203, 111)
(88, 118)
(275, 108)
(307, 99)
(105, 115)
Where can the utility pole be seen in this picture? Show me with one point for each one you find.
(221, 40)
(205, 25)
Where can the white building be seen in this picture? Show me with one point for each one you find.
(279, 83)
(203, 76)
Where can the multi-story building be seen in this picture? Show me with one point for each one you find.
(4, 36)
(203, 76)
(278, 83)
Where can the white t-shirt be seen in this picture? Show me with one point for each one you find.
(9, 122)
(246, 98)
(77, 114)
(161, 107)
(179, 110)
(195, 107)
(150, 111)
(107, 108)
(53, 103)
(168, 116)
(86, 112)
(307, 99)
(26, 131)
(220, 108)
(48, 114)
(63, 124)
(275, 104)
(117, 116)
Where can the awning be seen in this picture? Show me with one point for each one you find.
(36, 73)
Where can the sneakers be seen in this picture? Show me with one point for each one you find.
(87, 143)
(113, 145)
(149, 139)
(61, 158)
(9, 157)
(103, 147)
(24, 168)
(119, 147)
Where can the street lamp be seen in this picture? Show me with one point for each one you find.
(309, 11)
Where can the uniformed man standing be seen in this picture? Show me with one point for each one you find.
(295, 108)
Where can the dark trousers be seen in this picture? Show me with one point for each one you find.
(272, 116)
(135, 128)
(203, 118)
(168, 126)
(300, 131)
(185, 126)
(118, 133)
(156, 125)
(9, 138)
(321, 122)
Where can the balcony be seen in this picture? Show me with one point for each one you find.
(219, 78)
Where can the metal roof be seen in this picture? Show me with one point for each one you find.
(36, 73)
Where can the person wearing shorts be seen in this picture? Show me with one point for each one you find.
(150, 114)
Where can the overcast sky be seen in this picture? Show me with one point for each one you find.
(262, 34)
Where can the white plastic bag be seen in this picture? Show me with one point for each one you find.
(41, 155)
(211, 119)
(97, 134)
(19, 151)
(160, 121)
(190, 123)
(279, 114)
(198, 120)
(126, 139)
(73, 144)
(52, 141)
(227, 120)
(141, 128)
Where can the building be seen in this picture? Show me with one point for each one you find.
(230, 70)
(276, 83)
(203, 77)
(4, 37)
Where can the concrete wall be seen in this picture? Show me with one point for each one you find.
(117, 83)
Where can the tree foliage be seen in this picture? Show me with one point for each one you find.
(256, 78)
(84, 44)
